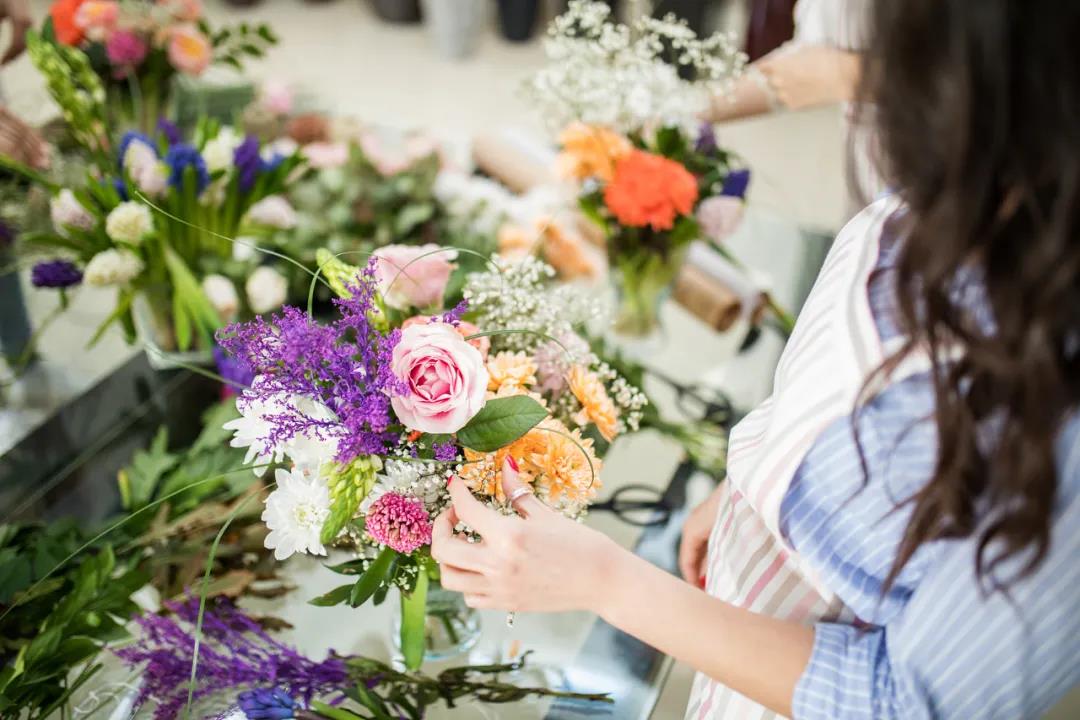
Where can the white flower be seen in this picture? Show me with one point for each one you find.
(66, 212)
(266, 289)
(244, 248)
(221, 293)
(309, 450)
(295, 513)
(273, 211)
(129, 222)
(138, 155)
(419, 480)
(218, 151)
(115, 266)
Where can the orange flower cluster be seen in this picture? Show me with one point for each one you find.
(67, 30)
(596, 406)
(651, 190)
(589, 151)
(566, 251)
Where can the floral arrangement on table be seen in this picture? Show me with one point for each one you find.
(156, 225)
(374, 410)
(137, 48)
(627, 101)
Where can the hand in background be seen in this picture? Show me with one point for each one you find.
(811, 75)
(539, 560)
(21, 142)
(693, 549)
(17, 14)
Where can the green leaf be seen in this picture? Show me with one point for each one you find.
(139, 480)
(213, 435)
(122, 310)
(370, 581)
(413, 610)
(334, 713)
(335, 597)
(500, 422)
(411, 216)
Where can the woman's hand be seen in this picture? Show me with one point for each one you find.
(811, 75)
(539, 560)
(695, 539)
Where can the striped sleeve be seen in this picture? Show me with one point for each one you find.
(956, 651)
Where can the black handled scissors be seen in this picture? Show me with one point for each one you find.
(640, 505)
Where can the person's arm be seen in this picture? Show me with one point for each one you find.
(17, 13)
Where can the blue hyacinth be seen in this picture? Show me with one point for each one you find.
(181, 157)
(267, 704)
(736, 183)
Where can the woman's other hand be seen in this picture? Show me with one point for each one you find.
(538, 560)
(21, 142)
(811, 75)
(695, 539)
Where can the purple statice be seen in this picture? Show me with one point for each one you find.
(55, 274)
(169, 131)
(181, 157)
(247, 158)
(345, 365)
(706, 139)
(125, 142)
(267, 704)
(736, 183)
(235, 373)
(235, 654)
(444, 452)
(453, 315)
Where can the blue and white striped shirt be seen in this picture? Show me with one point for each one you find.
(937, 645)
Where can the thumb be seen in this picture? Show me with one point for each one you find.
(470, 510)
(519, 493)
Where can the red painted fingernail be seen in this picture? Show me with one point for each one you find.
(513, 463)
(701, 581)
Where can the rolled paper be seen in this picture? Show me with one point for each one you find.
(721, 272)
(707, 300)
(515, 159)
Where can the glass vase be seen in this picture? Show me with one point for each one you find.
(450, 626)
(643, 279)
(157, 335)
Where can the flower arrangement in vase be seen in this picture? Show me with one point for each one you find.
(137, 48)
(374, 411)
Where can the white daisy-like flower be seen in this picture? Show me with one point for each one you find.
(295, 513)
(310, 450)
(266, 289)
(115, 266)
(252, 430)
(129, 222)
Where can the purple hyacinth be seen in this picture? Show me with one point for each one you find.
(706, 139)
(236, 373)
(235, 654)
(267, 704)
(55, 274)
(169, 131)
(346, 365)
(736, 183)
(181, 157)
(248, 161)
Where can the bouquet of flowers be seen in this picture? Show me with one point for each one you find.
(627, 102)
(156, 226)
(137, 48)
(376, 409)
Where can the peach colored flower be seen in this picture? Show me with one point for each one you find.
(445, 375)
(590, 151)
(650, 189)
(184, 10)
(515, 242)
(464, 329)
(596, 406)
(510, 368)
(97, 18)
(413, 275)
(189, 50)
(569, 254)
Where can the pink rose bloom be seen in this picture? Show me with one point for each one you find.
(464, 329)
(184, 10)
(720, 216)
(413, 276)
(189, 50)
(325, 155)
(97, 18)
(445, 375)
(125, 49)
(277, 97)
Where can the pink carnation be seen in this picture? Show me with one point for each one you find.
(399, 522)
(125, 49)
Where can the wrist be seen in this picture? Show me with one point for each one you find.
(602, 573)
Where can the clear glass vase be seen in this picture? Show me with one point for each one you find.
(450, 626)
(643, 279)
(156, 334)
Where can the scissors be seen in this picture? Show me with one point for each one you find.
(639, 505)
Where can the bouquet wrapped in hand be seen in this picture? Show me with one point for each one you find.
(373, 412)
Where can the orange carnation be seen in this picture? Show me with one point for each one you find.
(596, 406)
(651, 190)
(589, 151)
(66, 29)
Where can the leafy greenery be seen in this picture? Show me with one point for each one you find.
(501, 422)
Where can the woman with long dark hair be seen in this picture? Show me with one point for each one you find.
(899, 535)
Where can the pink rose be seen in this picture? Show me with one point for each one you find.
(325, 155)
(464, 329)
(189, 50)
(445, 375)
(413, 276)
(276, 97)
(720, 216)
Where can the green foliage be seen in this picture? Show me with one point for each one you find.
(501, 422)
(413, 609)
(349, 485)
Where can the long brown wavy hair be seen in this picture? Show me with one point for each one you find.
(977, 109)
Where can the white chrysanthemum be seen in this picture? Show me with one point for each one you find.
(67, 212)
(129, 222)
(295, 513)
(221, 293)
(252, 430)
(420, 480)
(115, 266)
(273, 211)
(219, 150)
(266, 289)
(310, 450)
